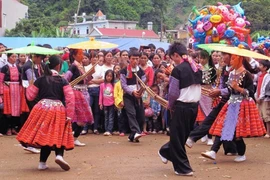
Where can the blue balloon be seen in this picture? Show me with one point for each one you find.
(229, 33)
(267, 45)
(261, 39)
(194, 22)
(235, 41)
(206, 18)
(198, 34)
(245, 44)
(237, 8)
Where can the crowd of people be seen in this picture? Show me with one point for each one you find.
(208, 94)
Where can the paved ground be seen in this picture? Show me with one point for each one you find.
(115, 158)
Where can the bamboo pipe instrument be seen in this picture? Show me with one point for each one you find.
(156, 97)
(82, 77)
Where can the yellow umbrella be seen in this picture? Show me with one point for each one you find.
(92, 44)
(236, 50)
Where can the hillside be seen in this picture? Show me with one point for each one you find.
(45, 16)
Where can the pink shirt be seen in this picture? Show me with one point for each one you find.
(106, 94)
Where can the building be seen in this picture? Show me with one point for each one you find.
(11, 12)
(178, 34)
(83, 29)
(123, 33)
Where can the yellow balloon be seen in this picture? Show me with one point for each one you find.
(204, 12)
(215, 18)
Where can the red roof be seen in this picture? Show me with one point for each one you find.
(128, 33)
(99, 13)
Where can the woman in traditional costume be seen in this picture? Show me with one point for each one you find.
(83, 112)
(49, 124)
(13, 93)
(208, 80)
(239, 118)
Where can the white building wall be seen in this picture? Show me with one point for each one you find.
(121, 25)
(100, 24)
(82, 27)
(12, 12)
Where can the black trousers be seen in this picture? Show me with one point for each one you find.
(123, 121)
(182, 123)
(235, 146)
(135, 113)
(46, 151)
(77, 129)
(203, 129)
(3, 123)
(11, 122)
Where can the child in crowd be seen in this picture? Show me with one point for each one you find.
(148, 112)
(116, 70)
(119, 102)
(156, 108)
(106, 101)
(262, 94)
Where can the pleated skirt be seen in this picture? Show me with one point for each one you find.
(47, 126)
(246, 117)
(83, 113)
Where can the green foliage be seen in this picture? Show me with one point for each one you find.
(256, 34)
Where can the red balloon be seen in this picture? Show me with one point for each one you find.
(240, 30)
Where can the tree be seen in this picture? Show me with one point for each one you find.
(29, 27)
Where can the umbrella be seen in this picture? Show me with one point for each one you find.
(208, 47)
(234, 50)
(92, 44)
(34, 50)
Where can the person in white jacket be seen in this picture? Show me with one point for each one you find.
(262, 94)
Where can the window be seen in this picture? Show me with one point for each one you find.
(87, 30)
(74, 31)
(78, 31)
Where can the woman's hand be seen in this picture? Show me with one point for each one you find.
(31, 82)
(214, 93)
(234, 85)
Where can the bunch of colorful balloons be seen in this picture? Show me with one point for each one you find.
(218, 24)
(262, 43)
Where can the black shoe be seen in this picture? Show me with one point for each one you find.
(132, 140)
